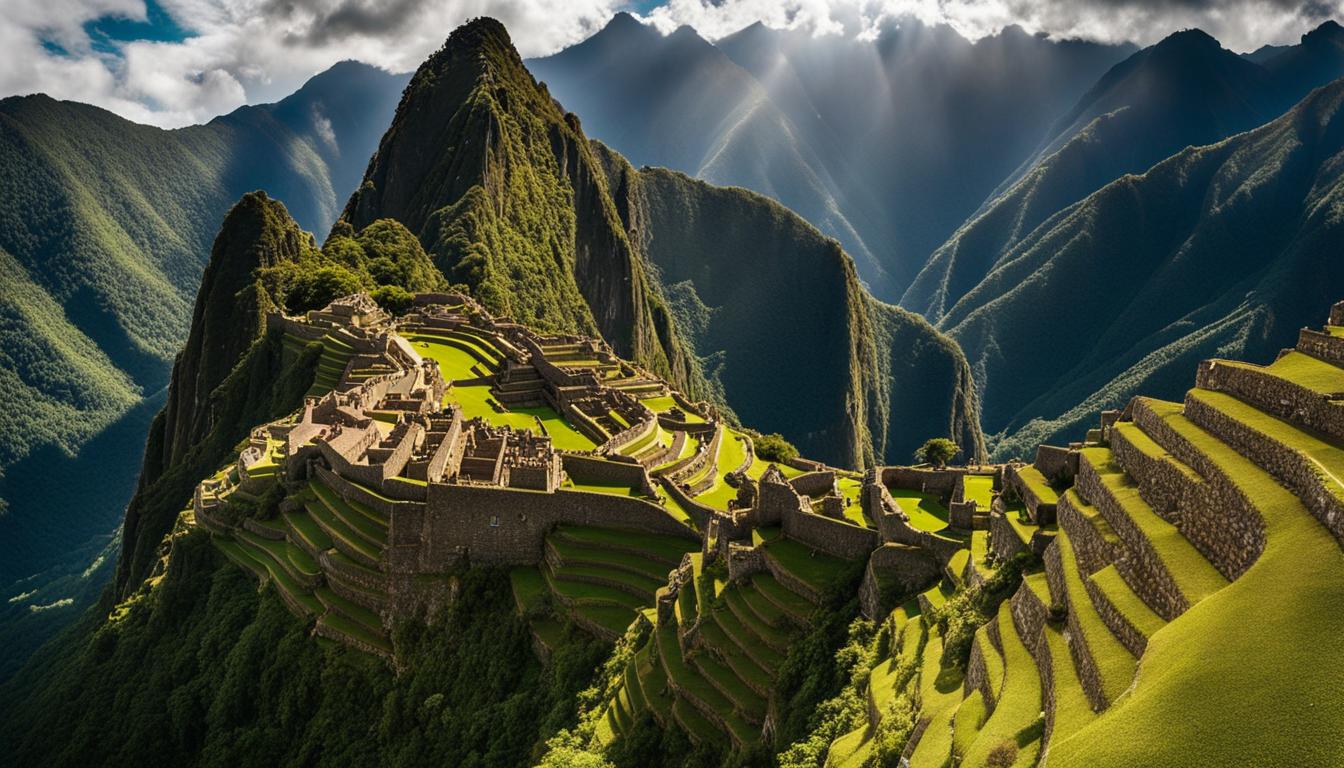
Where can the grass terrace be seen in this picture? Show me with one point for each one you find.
(1305, 371)
(1194, 575)
(476, 401)
(940, 696)
(816, 569)
(1114, 664)
(665, 403)
(926, 513)
(1019, 704)
(980, 489)
(1291, 592)
(1036, 483)
(688, 448)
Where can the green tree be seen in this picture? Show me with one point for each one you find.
(774, 447)
(937, 451)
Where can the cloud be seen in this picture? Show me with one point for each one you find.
(1241, 25)
(247, 51)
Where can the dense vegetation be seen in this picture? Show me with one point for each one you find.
(233, 374)
(875, 380)
(203, 670)
(1221, 250)
(105, 227)
(502, 190)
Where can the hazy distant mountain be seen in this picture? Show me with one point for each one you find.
(886, 145)
(105, 227)
(1221, 250)
(678, 101)
(1185, 91)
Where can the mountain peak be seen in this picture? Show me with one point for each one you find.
(623, 20)
(478, 34)
(1328, 32)
(1193, 39)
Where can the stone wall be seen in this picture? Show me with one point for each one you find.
(814, 483)
(745, 561)
(1057, 464)
(778, 502)
(504, 526)
(1003, 540)
(1274, 395)
(1321, 346)
(1128, 635)
(977, 676)
(1141, 566)
(893, 572)
(1300, 473)
(1234, 534)
(1092, 550)
(699, 513)
(294, 327)
(937, 481)
(1086, 666)
(1029, 615)
(966, 516)
(643, 428)
(358, 493)
(591, 469)
(706, 452)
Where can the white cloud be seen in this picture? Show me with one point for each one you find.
(1240, 25)
(248, 51)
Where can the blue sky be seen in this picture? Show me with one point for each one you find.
(175, 62)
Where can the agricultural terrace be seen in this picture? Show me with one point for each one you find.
(470, 358)
(925, 511)
(980, 489)
(665, 403)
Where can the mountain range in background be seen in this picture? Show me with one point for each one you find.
(105, 228)
(967, 151)
(886, 145)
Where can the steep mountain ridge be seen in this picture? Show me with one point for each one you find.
(504, 193)
(797, 294)
(681, 102)
(886, 145)
(233, 370)
(566, 236)
(1220, 249)
(1184, 91)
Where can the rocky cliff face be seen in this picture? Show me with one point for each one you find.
(790, 337)
(505, 194)
(228, 377)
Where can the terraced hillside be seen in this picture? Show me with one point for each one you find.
(714, 649)
(1186, 599)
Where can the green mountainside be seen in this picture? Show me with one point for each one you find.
(1224, 249)
(503, 191)
(233, 372)
(1185, 91)
(509, 198)
(739, 267)
(105, 227)
(298, 584)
